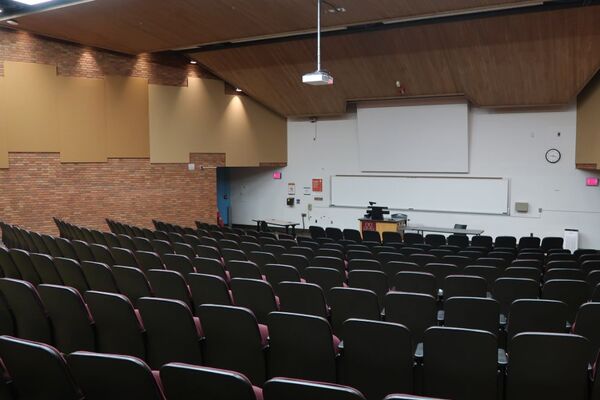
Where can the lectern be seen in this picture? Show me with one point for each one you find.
(381, 225)
(374, 221)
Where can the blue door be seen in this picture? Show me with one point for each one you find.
(223, 193)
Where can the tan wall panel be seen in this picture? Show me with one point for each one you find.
(184, 120)
(588, 124)
(30, 118)
(238, 140)
(251, 134)
(127, 117)
(271, 129)
(82, 122)
(201, 118)
(168, 143)
(3, 149)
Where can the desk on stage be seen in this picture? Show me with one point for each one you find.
(382, 225)
(454, 231)
(276, 222)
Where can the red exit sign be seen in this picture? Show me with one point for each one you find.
(591, 181)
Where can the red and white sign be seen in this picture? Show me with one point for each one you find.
(368, 226)
(317, 185)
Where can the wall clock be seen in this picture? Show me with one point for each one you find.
(553, 156)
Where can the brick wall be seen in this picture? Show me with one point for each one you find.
(87, 62)
(37, 187)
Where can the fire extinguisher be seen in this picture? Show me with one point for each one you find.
(220, 220)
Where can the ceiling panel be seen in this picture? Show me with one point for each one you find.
(532, 59)
(14, 8)
(136, 26)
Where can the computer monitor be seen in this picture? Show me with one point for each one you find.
(376, 212)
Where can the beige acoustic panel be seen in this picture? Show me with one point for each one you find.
(201, 118)
(272, 129)
(588, 124)
(185, 120)
(3, 149)
(30, 112)
(127, 129)
(82, 121)
(237, 138)
(251, 134)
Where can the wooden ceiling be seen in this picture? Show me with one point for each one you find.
(137, 26)
(532, 59)
(512, 59)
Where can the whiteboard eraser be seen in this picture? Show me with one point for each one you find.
(521, 207)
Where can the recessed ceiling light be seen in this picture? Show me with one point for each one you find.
(193, 62)
(237, 89)
(32, 2)
(12, 22)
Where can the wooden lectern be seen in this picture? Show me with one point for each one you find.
(383, 225)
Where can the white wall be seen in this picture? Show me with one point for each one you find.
(504, 144)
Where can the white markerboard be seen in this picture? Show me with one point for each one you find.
(423, 138)
(449, 194)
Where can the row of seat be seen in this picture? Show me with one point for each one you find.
(38, 371)
(377, 357)
(202, 230)
(364, 251)
(436, 240)
(126, 233)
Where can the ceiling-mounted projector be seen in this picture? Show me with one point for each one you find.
(317, 78)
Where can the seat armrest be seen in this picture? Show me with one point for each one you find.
(419, 353)
(502, 359)
(503, 322)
